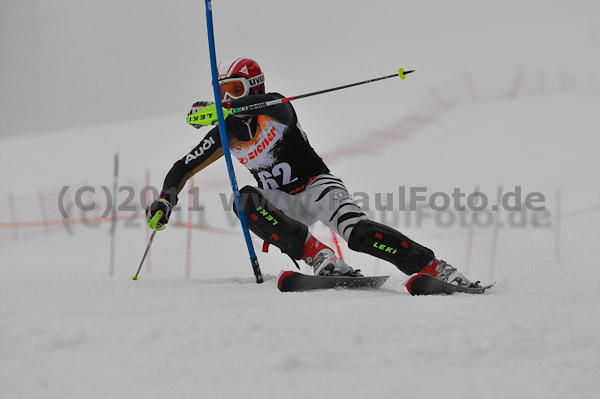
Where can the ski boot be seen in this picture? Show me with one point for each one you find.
(445, 272)
(324, 262)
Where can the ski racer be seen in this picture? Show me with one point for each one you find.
(295, 187)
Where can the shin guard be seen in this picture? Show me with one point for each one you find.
(272, 225)
(388, 244)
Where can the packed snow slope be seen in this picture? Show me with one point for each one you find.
(488, 107)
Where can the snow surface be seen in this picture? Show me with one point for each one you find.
(68, 330)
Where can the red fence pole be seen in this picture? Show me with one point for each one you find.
(13, 216)
(337, 244)
(188, 252)
(43, 211)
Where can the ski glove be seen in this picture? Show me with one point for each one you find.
(158, 214)
(204, 113)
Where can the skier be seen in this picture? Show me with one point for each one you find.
(295, 187)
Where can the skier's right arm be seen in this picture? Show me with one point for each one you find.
(206, 152)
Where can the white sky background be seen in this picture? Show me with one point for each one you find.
(69, 63)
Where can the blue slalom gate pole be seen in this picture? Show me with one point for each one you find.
(225, 141)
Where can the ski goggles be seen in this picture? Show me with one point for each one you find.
(235, 88)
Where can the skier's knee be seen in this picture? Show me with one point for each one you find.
(388, 244)
(271, 224)
(249, 194)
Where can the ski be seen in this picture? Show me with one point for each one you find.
(424, 284)
(290, 281)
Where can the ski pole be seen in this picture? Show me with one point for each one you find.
(157, 217)
(207, 116)
(401, 73)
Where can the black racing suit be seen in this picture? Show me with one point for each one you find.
(273, 146)
(269, 142)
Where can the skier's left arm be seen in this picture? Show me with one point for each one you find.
(283, 113)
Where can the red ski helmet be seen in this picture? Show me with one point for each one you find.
(239, 78)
